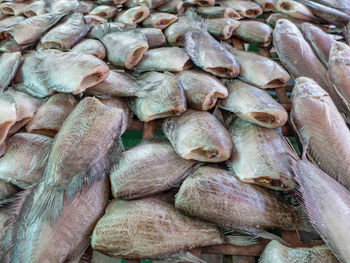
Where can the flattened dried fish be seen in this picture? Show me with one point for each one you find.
(9, 64)
(91, 47)
(222, 28)
(160, 96)
(295, 9)
(201, 89)
(147, 169)
(261, 156)
(172, 6)
(327, 136)
(65, 35)
(8, 115)
(254, 32)
(105, 11)
(173, 59)
(12, 8)
(35, 9)
(259, 70)
(175, 33)
(254, 105)
(133, 15)
(22, 164)
(218, 12)
(198, 135)
(7, 23)
(149, 228)
(267, 5)
(155, 37)
(159, 20)
(245, 8)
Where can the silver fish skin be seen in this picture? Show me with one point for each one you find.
(270, 166)
(155, 37)
(253, 105)
(295, 9)
(91, 47)
(7, 23)
(149, 168)
(277, 253)
(202, 90)
(9, 64)
(198, 135)
(248, 9)
(160, 96)
(172, 7)
(11, 46)
(327, 204)
(342, 5)
(133, 15)
(274, 17)
(23, 161)
(254, 32)
(12, 8)
(35, 9)
(175, 33)
(327, 137)
(218, 12)
(159, 20)
(222, 28)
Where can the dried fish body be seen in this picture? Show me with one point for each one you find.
(151, 4)
(218, 12)
(117, 84)
(175, 33)
(172, 6)
(254, 105)
(261, 156)
(11, 8)
(86, 7)
(327, 137)
(267, 5)
(4, 216)
(160, 97)
(65, 35)
(51, 115)
(273, 18)
(31, 29)
(149, 228)
(294, 9)
(254, 32)
(173, 59)
(199, 2)
(216, 196)
(198, 135)
(201, 89)
(68, 6)
(35, 9)
(149, 168)
(105, 11)
(133, 15)
(91, 47)
(8, 115)
(222, 28)
(9, 22)
(155, 37)
(327, 204)
(277, 253)
(342, 5)
(93, 20)
(159, 20)
(7, 190)
(22, 163)
(245, 8)
(259, 70)
(9, 64)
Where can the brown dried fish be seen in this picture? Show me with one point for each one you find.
(172, 6)
(173, 59)
(160, 96)
(277, 253)
(254, 32)
(267, 5)
(199, 2)
(133, 15)
(295, 9)
(91, 47)
(51, 115)
(105, 11)
(175, 33)
(155, 37)
(149, 168)
(8, 115)
(9, 64)
(218, 12)
(201, 89)
(254, 105)
(149, 228)
(159, 20)
(245, 8)
(222, 28)
(259, 70)
(198, 135)
(24, 159)
(327, 137)
(35, 9)
(261, 156)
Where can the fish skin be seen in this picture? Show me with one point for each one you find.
(199, 2)
(198, 135)
(218, 12)
(248, 9)
(8, 115)
(8, 23)
(160, 96)
(51, 115)
(23, 161)
(267, 5)
(342, 5)
(201, 89)
(327, 204)
(270, 165)
(159, 20)
(274, 17)
(222, 28)
(11, 46)
(35, 9)
(259, 70)
(216, 196)
(254, 105)
(7, 190)
(9, 64)
(327, 137)
(66, 34)
(105, 11)
(295, 9)
(151, 4)
(254, 32)
(12, 8)
(155, 37)
(172, 6)
(320, 42)
(277, 253)
(149, 228)
(93, 20)
(173, 59)
(149, 168)
(175, 33)
(133, 15)
(91, 47)
(4, 216)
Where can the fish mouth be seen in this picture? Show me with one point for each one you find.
(134, 57)
(201, 154)
(51, 44)
(95, 77)
(263, 117)
(223, 71)
(139, 16)
(232, 14)
(252, 13)
(275, 83)
(30, 13)
(276, 184)
(164, 22)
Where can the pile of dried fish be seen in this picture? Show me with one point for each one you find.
(75, 74)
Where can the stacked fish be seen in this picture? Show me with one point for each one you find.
(72, 75)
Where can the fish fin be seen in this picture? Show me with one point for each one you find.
(196, 21)
(261, 233)
(240, 240)
(104, 29)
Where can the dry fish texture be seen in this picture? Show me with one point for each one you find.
(91, 47)
(155, 37)
(246, 9)
(222, 28)
(217, 12)
(295, 10)
(172, 6)
(35, 9)
(159, 20)
(254, 32)
(133, 15)
(175, 32)
(9, 64)
(8, 115)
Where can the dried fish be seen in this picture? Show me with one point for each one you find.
(12, 8)
(173, 59)
(149, 228)
(198, 135)
(218, 12)
(7, 190)
(160, 96)
(147, 169)
(4, 216)
(35, 9)
(267, 5)
(201, 89)
(295, 9)
(327, 137)
(172, 6)
(9, 64)
(8, 115)
(105, 11)
(24, 159)
(151, 4)
(278, 253)
(199, 2)
(259, 70)
(7, 23)
(254, 32)
(65, 35)
(245, 8)
(93, 20)
(273, 18)
(91, 47)
(254, 105)
(133, 15)
(175, 33)
(342, 5)
(270, 163)
(222, 28)
(155, 37)
(159, 20)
